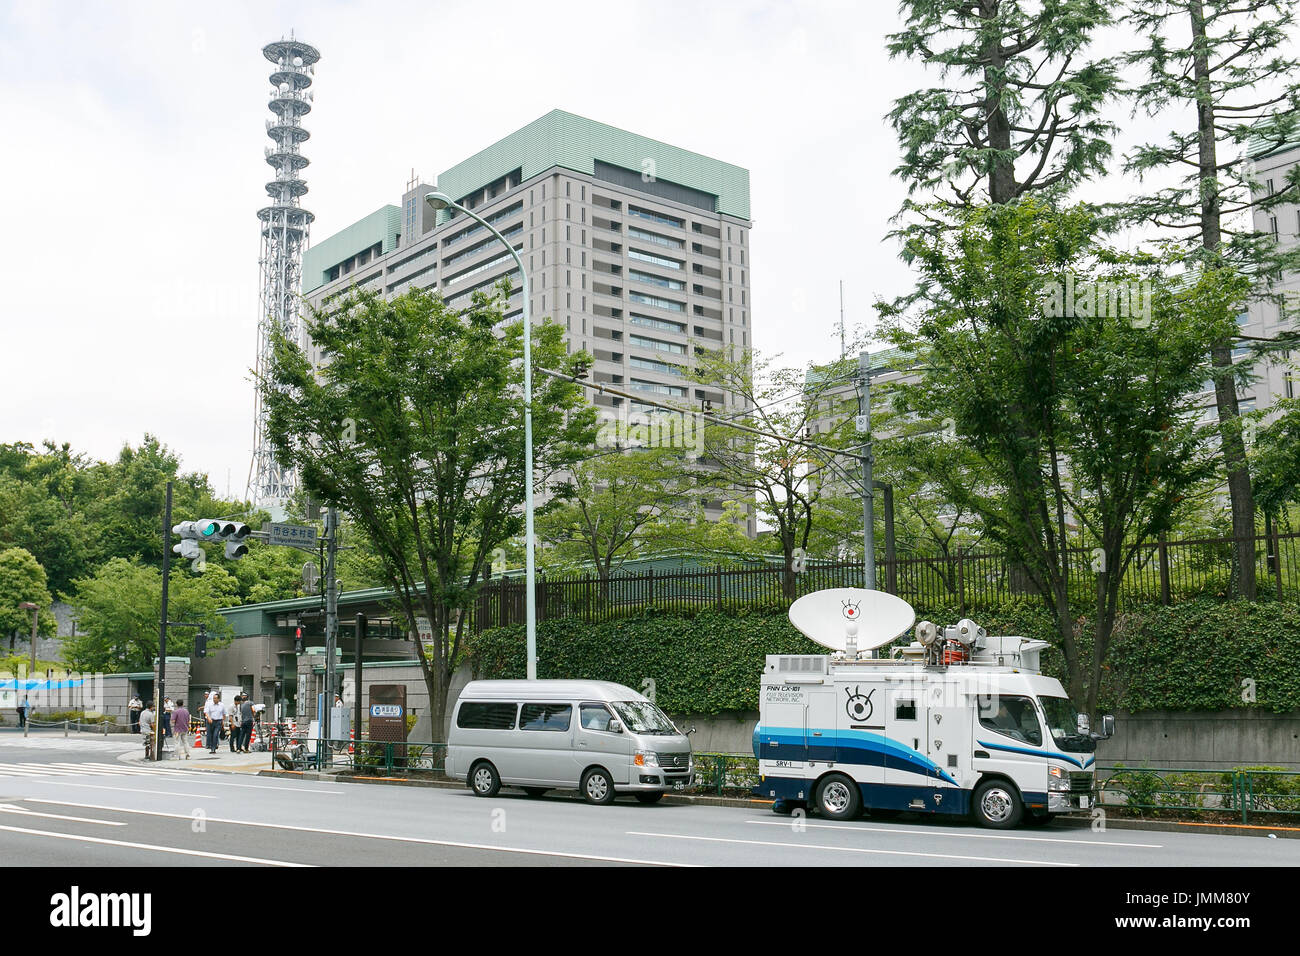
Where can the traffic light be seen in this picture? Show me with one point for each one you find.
(234, 533)
(362, 627)
(298, 647)
(201, 642)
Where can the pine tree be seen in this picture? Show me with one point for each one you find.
(1220, 59)
(1020, 111)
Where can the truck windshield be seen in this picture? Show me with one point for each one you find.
(643, 717)
(1062, 723)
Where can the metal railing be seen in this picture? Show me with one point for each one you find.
(1163, 571)
(1164, 791)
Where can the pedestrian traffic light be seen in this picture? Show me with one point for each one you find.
(298, 647)
(201, 642)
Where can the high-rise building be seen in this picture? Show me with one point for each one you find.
(639, 249)
(1264, 319)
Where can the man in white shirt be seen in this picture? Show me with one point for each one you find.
(214, 712)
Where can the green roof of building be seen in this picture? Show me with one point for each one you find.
(381, 226)
(576, 143)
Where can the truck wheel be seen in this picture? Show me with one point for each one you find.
(997, 805)
(597, 787)
(483, 780)
(838, 798)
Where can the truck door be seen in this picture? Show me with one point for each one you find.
(822, 735)
(947, 745)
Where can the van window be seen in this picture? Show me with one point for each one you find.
(486, 716)
(905, 710)
(1013, 717)
(545, 716)
(594, 716)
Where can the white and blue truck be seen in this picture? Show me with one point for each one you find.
(957, 722)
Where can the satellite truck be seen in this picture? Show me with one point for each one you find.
(957, 722)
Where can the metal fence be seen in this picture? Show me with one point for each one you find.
(1162, 571)
(1177, 792)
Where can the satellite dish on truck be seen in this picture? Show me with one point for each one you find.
(852, 619)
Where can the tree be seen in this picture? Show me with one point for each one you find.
(1024, 115)
(773, 463)
(1222, 63)
(22, 580)
(119, 608)
(1079, 415)
(413, 426)
(617, 504)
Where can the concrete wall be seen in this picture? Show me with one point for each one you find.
(1204, 740)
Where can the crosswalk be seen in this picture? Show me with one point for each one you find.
(87, 769)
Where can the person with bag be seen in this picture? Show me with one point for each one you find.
(215, 715)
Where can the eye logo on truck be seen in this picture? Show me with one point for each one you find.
(859, 706)
(850, 610)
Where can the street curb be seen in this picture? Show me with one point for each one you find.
(704, 800)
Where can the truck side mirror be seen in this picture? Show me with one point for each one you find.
(615, 727)
(1108, 725)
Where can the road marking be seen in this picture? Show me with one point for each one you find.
(152, 846)
(20, 770)
(10, 808)
(367, 836)
(96, 786)
(849, 849)
(965, 836)
(93, 770)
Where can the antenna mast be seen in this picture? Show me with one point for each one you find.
(285, 230)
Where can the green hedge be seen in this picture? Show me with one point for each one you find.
(1193, 656)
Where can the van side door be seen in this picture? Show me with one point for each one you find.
(545, 739)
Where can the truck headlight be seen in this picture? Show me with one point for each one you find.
(1058, 779)
(645, 758)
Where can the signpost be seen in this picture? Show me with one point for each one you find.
(291, 536)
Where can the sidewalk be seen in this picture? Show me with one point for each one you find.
(200, 759)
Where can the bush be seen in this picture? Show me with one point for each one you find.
(78, 716)
(1270, 788)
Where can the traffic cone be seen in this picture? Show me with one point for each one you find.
(352, 736)
(198, 738)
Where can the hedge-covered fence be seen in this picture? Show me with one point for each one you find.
(1192, 656)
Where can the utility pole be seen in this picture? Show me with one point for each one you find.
(356, 677)
(162, 626)
(331, 625)
(864, 429)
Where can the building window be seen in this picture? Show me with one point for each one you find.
(659, 217)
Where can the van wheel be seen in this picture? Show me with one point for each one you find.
(997, 805)
(838, 798)
(534, 791)
(650, 797)
(483, 780)
(597, 787)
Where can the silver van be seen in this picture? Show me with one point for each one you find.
(599, 738)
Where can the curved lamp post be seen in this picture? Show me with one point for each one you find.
(442, 201)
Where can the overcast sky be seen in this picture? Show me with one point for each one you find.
(133, 168)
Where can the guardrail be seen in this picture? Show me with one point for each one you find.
(1242, 791)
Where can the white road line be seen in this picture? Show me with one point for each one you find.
(93, 771)
(96, 786)
(367, 836)
(963, 836)
(10, 808)
(19, 770)
(152, 846)
(849, 849)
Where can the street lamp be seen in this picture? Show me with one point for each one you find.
(443, 201)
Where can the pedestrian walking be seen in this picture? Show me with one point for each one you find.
(24, 711)
(181, 729)
(246, 720)
(168, 708)
(134, 708)
(215, 715)
(146, 729)
(233, 724)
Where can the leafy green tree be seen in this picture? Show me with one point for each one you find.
(1223, 64)
(118, 611)
(1276, 460)
(22, 579)
(1078, 415)
(1020, 111)
(617, 504)
(413, 426)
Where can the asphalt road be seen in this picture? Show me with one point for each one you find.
(73, 803)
